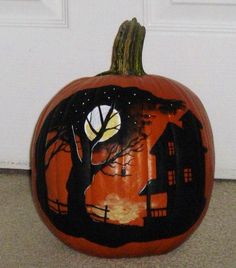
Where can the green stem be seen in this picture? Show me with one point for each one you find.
(127, 50)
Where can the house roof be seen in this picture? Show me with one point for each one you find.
(170, 131)
(152, 187)
(190, 118)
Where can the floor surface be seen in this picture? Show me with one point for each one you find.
(26, 242)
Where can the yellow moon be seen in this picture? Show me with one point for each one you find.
(94, 120)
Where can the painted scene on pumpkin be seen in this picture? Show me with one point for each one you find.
(121, 156)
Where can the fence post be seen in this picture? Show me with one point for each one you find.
(58, 206)
(105, 215)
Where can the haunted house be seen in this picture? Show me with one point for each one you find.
(180, 162)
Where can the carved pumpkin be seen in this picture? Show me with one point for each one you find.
(123, 162)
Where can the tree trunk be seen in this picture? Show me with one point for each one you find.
(76, 185)
(79, 179)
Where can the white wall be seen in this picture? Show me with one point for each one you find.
(47, 43)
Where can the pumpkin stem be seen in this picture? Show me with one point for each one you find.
(127, 50)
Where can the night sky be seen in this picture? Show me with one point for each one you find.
(129, 102)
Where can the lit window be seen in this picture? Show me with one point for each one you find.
(171, 148)
(171, 177)
(188, 175)
(164, 213)
(159, 212)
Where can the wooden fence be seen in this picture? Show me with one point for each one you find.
(58, 207)
(61, 208)
(104, 218)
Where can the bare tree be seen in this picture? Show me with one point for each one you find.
(58, 142)
(116, 151)
(79, 128)
(83, 169)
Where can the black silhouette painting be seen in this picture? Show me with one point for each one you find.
(92, 164)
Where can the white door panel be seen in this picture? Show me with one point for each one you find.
(45, 44)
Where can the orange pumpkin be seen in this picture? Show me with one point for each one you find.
(123, 162)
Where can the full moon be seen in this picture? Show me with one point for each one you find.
(94, 119)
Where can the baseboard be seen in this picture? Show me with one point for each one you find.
(12, 171)
(15, 165)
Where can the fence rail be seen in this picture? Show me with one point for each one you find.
(105, 209)
(61, 208)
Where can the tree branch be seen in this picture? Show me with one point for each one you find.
(100, 114)
(121, 164)
(75, 143)
(61, 147)
(59, 134)
(113, 115)
(115, 174)
(110, 128)
(91, 127)
(115, 152)
(103, 126)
